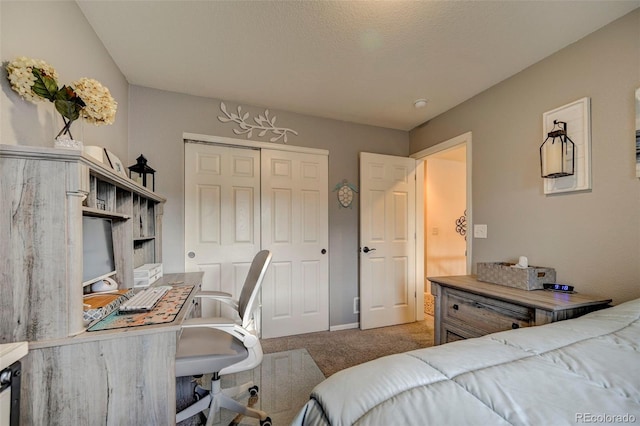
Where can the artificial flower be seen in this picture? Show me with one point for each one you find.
(100, 106)
(35, 80)
(23, 79)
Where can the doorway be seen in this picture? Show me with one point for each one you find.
(444, 211)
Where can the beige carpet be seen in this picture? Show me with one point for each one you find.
(294, 365)
(333, 351)
(285, 380)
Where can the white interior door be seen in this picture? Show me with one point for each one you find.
(295, 293)
(222, 216)
(387, 240)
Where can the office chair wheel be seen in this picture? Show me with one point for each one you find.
(253, 390)
(266, 422)
(199, 393)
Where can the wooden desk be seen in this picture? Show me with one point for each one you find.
(466, 307)
(123, 376)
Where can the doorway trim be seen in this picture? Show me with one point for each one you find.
(221, 140)
(420, 156)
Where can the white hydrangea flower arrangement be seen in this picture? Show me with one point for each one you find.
(36, 81)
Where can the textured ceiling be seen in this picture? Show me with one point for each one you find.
(358, 61)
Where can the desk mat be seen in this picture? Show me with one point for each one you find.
(165, 311)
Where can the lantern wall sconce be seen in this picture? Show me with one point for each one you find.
(142, 173)
(557, 153)
(565, 154)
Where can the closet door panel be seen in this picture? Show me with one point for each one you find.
(222, 217)
(295, 229)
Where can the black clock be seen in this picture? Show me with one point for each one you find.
(564, 288)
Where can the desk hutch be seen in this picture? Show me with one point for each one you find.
(71, 376)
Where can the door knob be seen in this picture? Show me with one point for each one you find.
(323, 251)
(367, 249)
(191, 255)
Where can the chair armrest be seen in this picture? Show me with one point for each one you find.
(227, 325)
(220, 296)
(207, 322)
(217, 294)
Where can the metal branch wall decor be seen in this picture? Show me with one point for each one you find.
(264, 124)
(461, 225)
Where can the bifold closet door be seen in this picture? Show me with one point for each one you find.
(222, 217)
(295, 294)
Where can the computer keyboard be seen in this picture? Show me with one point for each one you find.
(144, 300)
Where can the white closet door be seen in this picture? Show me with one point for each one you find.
(387, 240)
(222, 216)
(295, 294)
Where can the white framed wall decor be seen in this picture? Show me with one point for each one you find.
(638, 132)
(577, 115)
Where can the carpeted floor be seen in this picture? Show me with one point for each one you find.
(294, 365)
(333, 351)
(285, 380)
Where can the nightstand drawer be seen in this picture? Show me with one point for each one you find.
(483, 314)
(453, 332)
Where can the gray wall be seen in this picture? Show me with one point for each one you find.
(592, 239)
(157, 122)
(57, 33)
(152, 122)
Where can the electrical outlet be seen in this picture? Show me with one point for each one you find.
(479, 231)
(356, 305)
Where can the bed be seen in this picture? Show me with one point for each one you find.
(584, 370)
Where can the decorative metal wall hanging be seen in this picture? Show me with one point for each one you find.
(577, 115)
(557, 153)
(264, 124)
(461, 225)
(345, 193)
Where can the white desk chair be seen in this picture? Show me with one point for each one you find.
(221, 346)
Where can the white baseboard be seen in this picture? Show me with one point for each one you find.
(344, 326)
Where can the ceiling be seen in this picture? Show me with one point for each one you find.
(358, 61)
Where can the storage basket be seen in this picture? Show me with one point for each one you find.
(530, 278)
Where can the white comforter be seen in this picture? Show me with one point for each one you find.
(585, 370)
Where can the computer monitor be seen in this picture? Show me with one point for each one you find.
(97, 249)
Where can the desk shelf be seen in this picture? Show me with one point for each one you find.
(50, 190)
(89, 211)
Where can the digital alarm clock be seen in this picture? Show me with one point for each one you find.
(558, 287)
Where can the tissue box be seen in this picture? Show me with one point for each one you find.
(530, 278)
